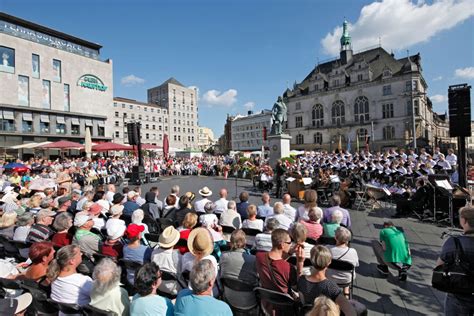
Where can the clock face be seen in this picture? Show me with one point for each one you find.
(275, 147)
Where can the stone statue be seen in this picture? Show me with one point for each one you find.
(278, 116)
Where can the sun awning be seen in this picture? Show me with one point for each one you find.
(89, 122)
(27, 117)
(44, 118)
(23, 146)
(101, 123)
(37, 145)
(60, 120)
(8, 115)
(75, 121)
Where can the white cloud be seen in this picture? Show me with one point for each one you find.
(438, 78)
(196, 88)
(132, 80)
(214, 97)
(249, 106)
(400, 23)
(465, 73)
(438, 98)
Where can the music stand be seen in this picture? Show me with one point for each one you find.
(442, 183)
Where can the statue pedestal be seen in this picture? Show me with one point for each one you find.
(279, 146)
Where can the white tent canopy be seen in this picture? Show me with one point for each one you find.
(30, 145)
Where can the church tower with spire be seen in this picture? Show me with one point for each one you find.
(346, 46)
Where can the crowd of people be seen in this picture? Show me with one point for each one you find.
(87, 243)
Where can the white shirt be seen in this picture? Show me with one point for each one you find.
(109, 196)
(283, 221)
(255, 224)
(199, 205)
(221, 205)
(73, 289)
(290, 211)
(452, 159)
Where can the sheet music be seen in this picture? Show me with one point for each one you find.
(334, 178)
(307, 181)
(387, 191)
(444, 184)
(290, 179)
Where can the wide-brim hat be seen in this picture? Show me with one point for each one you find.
(205, 192)
(12, 306)
(169, 237)
(118, 198)
(116, 209)
(200, 240)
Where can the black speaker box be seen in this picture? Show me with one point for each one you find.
(459, 100)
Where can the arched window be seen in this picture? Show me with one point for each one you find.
(299, 139)
(318, 138)
(318, 116)
(362, 135)
(338, 113)
(361, 109)
(388, 132)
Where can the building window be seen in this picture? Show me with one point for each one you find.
(338, 113)
(117, 123)
(101, 131)
(362, 134)
(75, 129)
(361, 109)
(408, 86)
(299, 121)
(414, 84)
(115, 104)
(175, 137)
(409, 107)
(387, 90)
(388, 132)
(117, 134)
(147, 136)
(35, 66)
(44, 127)
(67, 99)
(8, 59)
(46, 99)
(27, 126)
(124, 115)
(160, 128)
(417, 107)
(56, 70)
(360, 77)
(7, 125)
(387, 110)
(23, 91)
(299, 139)
(318, 138)
(133, 116)
(298, 105)
(174, 128)
(145, 109)
(336, 82)
(116, 114)
(147, 126)
(123, 106)
(317, 116)
(316, 87)
(60, 128)
(153, 126)
(139, 116)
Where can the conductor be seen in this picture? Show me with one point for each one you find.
(280, 171)
(415, 202)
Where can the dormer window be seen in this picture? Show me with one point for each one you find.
(387, 73)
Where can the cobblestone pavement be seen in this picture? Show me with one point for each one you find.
(381, 295)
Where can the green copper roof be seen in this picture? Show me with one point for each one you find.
(345, 38)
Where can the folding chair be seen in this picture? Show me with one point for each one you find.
(66, 309)
(280, 301)
(251, 307)
(90, 310)
(341, 265)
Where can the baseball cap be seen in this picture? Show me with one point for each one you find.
(116, 230)
(95, 209)
(63, 200)
(45, 213)
(116, 209)
(133, 230)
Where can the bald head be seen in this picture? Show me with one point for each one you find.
(265, 198)
(286, 198)
(223, 193)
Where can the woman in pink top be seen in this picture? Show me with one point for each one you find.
(315, 230)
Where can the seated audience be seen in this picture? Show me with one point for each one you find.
(316, 284)
(41, 254)
(201, 246)
(62, 224)
(342, 251)
(335, 203)
(116, 212)
(113, 246)
(222, 203)
(239, 265)
(230, 217)
(265, 209)
(146, 302)
(310, 198)
(89, 242)
(324, 306)
(208, 218)
(135, 251)
(106, 293)
(16, 306)
(168, 259)
(183, 210)
(329, 229)
(190, 220)
(315, 229)
(41, 230)
(392, 251)
(263, 241)
(199, 300)
(243, 204)
(67, 285)
(275, 272)
(290, 211)
(279, 214)
(23, 226)
(199, 204)
(252, 221)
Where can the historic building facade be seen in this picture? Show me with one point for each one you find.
(182, 106)
(53, 85)
(247, 132)
(205, 138)
(366, 97)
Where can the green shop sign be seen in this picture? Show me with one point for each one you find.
(91, 82)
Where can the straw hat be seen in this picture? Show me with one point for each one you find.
(200, 240)
(205, 192)
(169, 237)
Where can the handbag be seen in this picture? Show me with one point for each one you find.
(455, 277)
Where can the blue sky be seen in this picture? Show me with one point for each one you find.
(242, 54)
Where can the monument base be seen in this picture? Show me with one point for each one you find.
(279, 146)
